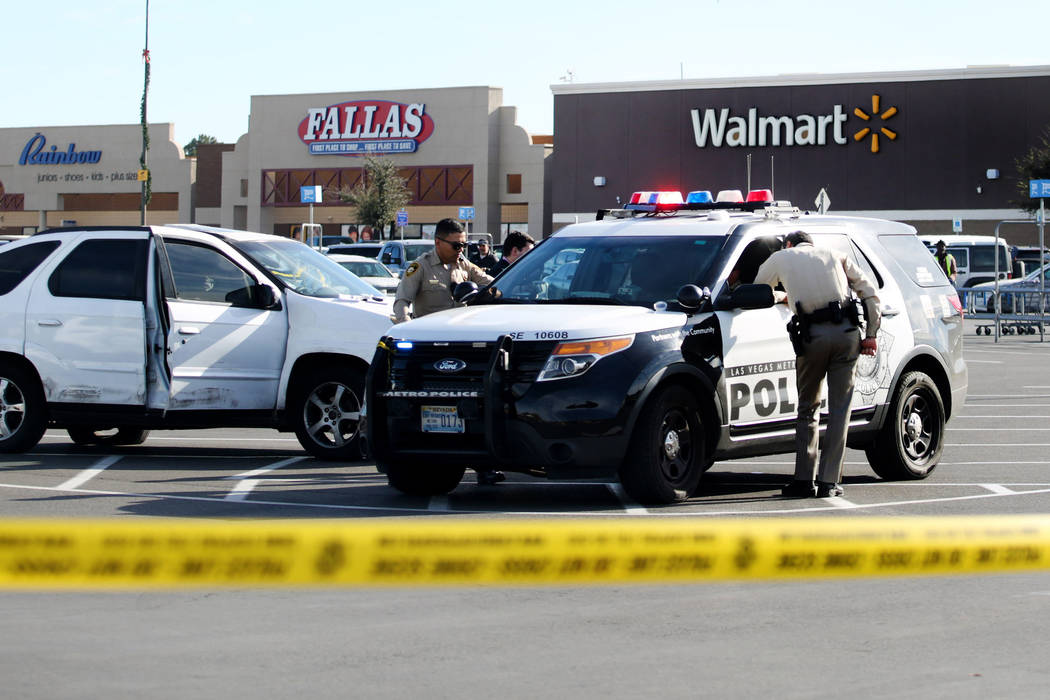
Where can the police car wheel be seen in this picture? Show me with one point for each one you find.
(665, 459)
(23, 409)
(117, 436)
(326, 411)
(421, 478)
(911, 441)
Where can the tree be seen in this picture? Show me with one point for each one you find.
(1034, 165)
(379, 195)
(190, 149)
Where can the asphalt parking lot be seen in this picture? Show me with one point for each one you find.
(965, 636)
(995, 461)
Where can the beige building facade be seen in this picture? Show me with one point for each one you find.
(459, 150)
(88, 176)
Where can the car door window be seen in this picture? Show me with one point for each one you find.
(204, 274)
(103, 268)
(17, 263)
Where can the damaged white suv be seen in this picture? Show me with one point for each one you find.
(110, 332)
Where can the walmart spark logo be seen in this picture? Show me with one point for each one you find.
(866, 131)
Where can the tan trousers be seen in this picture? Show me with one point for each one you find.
(832, 352)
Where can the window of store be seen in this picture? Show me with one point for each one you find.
(513, 183)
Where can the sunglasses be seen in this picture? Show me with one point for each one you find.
(456, 245)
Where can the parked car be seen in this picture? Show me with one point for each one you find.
(161, 327)
(974, 257)
(1017, 296)
(369, 270)
(398, 254)
(367, 249)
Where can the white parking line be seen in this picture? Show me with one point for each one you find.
(840, 502)
(241, 489)
(629, 505)
(88, 474)
(999, 488)
(268, 468)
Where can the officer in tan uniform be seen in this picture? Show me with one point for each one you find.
(428, 281)
(827, 342)
(427, 287)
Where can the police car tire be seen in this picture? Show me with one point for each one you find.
(124, 436)
(650, 474)
(23, 409)
(418, 478)
(899, 454)
(339, 390)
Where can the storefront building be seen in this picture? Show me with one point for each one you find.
(936, 149)
(458, 149)
(88, 175)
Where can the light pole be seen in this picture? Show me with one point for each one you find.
(146, 181)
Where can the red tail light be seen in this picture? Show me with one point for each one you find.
(953, 299)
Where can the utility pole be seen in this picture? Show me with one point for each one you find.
(143, 165)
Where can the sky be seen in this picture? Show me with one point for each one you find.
(70, 62)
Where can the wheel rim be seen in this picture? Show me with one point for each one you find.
(12, 408)
(676, 446)
(332, 415)
(919, 430)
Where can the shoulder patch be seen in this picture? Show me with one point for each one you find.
(411, 269)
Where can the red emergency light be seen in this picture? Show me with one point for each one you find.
(759, 196)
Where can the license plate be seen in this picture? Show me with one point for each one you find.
(442, 419)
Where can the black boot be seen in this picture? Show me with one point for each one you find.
(799, 489)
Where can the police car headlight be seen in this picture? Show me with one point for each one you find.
(573, 358)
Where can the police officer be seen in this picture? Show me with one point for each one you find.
(818, 283)
(427, 287)
(428, 281)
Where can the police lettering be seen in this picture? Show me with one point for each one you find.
(768, 398)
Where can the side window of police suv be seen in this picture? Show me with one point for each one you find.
(205, 274)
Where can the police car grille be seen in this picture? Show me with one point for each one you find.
(418, 369)
(526, 361)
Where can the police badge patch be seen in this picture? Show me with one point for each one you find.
(411, 269)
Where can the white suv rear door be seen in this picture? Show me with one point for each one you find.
(85, 321)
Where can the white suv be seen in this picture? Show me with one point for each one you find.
(130, 328)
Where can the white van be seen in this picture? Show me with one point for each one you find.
(109, 332)
(974, 257)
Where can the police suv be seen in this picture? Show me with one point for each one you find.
(111, 331)
(656, 357)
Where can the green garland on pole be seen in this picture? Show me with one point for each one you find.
(148, 192)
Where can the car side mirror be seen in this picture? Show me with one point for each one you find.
(691, 297)
(464, 292)
(257, 296)
(386, 258)
(746, 296)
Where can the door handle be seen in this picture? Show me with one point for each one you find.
(49, 322)
(888, 310)
(189, 330)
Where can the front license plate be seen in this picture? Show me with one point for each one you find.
(442, 419)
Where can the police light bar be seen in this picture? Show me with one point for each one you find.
(669, 201)
(759, 196)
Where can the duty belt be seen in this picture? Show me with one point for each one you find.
(834, 312)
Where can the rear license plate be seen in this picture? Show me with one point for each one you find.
(442, 419)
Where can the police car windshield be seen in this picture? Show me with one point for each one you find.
(619, 269)
(304, 270)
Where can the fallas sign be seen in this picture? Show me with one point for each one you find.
(365, 127)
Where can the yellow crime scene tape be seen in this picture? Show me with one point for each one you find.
(108, 554)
